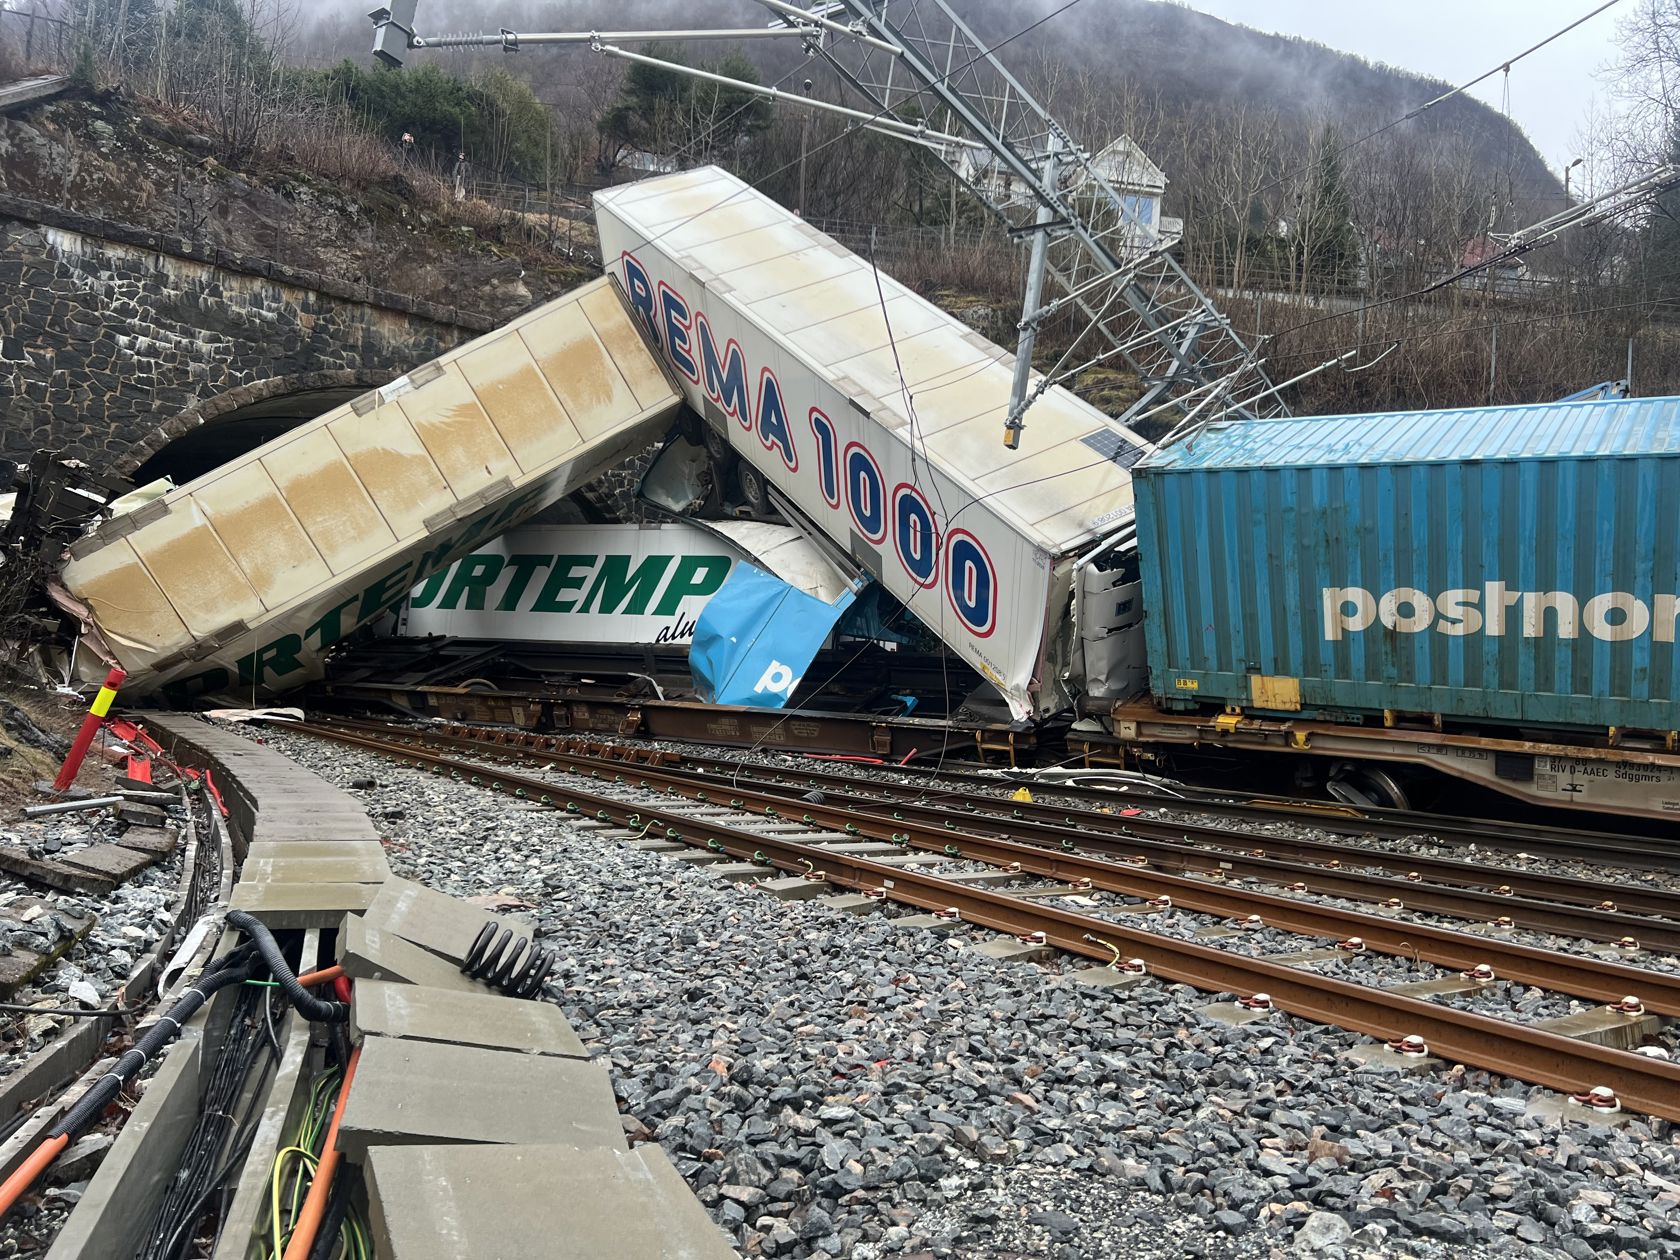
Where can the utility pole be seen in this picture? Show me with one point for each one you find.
(1493, 362)
(804, 144)
(1029, 328)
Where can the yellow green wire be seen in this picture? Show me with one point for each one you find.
(311, 1130)
(305, 1157)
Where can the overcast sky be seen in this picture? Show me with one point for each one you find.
(1457, 40)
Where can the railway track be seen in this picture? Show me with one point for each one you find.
(663, 806)
(1636, 918)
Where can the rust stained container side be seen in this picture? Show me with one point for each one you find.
(1518, 565)
(245, 576)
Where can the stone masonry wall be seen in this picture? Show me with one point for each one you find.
(112, 347)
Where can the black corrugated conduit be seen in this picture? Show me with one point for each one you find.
(235, 968)
(312, 1008)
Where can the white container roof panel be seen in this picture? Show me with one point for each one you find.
(245, 576)
(328, 499)
(822, 303)
(746, 248)
(746, 286)
(257, 525)
(817, 304)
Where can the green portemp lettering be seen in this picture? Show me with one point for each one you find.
(695, 575)
(520, 569)
(279, 656)
(428, 590)
(620, 590)
(474, 576)
(569, 573)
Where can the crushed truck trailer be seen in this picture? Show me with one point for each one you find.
(242, 579)
(881, 419)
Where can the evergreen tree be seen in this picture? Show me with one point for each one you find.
(495, 119)
(666, 112)
(1329, 242)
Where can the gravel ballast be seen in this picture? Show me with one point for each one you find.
(834, 1085)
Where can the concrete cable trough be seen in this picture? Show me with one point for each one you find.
(471, 1119)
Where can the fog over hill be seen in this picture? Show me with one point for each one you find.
(1158, 60)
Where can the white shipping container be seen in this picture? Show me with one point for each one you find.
(879, 416)
(605, 584)
(240, 580)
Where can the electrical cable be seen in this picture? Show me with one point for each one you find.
(306, 1003)
(268, 1025)
(79, 1012)
(915, 483)
(879, 114)
(338, 1209)
(1410, 114)
(231, 969)
(1651, 304)
(1515, 249)
(758, 744)
(300, 1155)
(314, 1205)
(199, 1177)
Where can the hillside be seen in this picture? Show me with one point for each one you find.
(112, 156)
(1190, 59)
(1154, 61)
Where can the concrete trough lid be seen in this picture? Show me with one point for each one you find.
(416, 1013)
(316, 870)
(535, 1203)
(367, 850)
(433, 920)
(287, 906)
(424, 1093)
(366, 953)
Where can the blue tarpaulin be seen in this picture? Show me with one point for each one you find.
(756, 637)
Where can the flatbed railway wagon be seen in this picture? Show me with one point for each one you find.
(1490, 594)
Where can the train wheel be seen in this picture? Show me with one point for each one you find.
(1373, 786)
(716, 443)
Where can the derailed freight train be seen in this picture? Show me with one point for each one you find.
(240, 581)
(1487, 594)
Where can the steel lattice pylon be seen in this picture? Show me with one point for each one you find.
(926, 78)
(1141, 306)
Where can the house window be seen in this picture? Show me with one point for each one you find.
(1140, 208)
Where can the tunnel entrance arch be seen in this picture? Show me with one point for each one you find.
(212, 432)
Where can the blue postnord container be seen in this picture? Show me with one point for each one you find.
(1518, 565)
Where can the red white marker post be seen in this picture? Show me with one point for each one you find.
(90, 727)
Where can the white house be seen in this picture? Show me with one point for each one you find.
(1121, 163)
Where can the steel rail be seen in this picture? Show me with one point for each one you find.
(1646, 1084)
(1562, 889)
(635, 719)
(930, 826)
(1558, 887)
(1612, 848)
(1530, 964)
